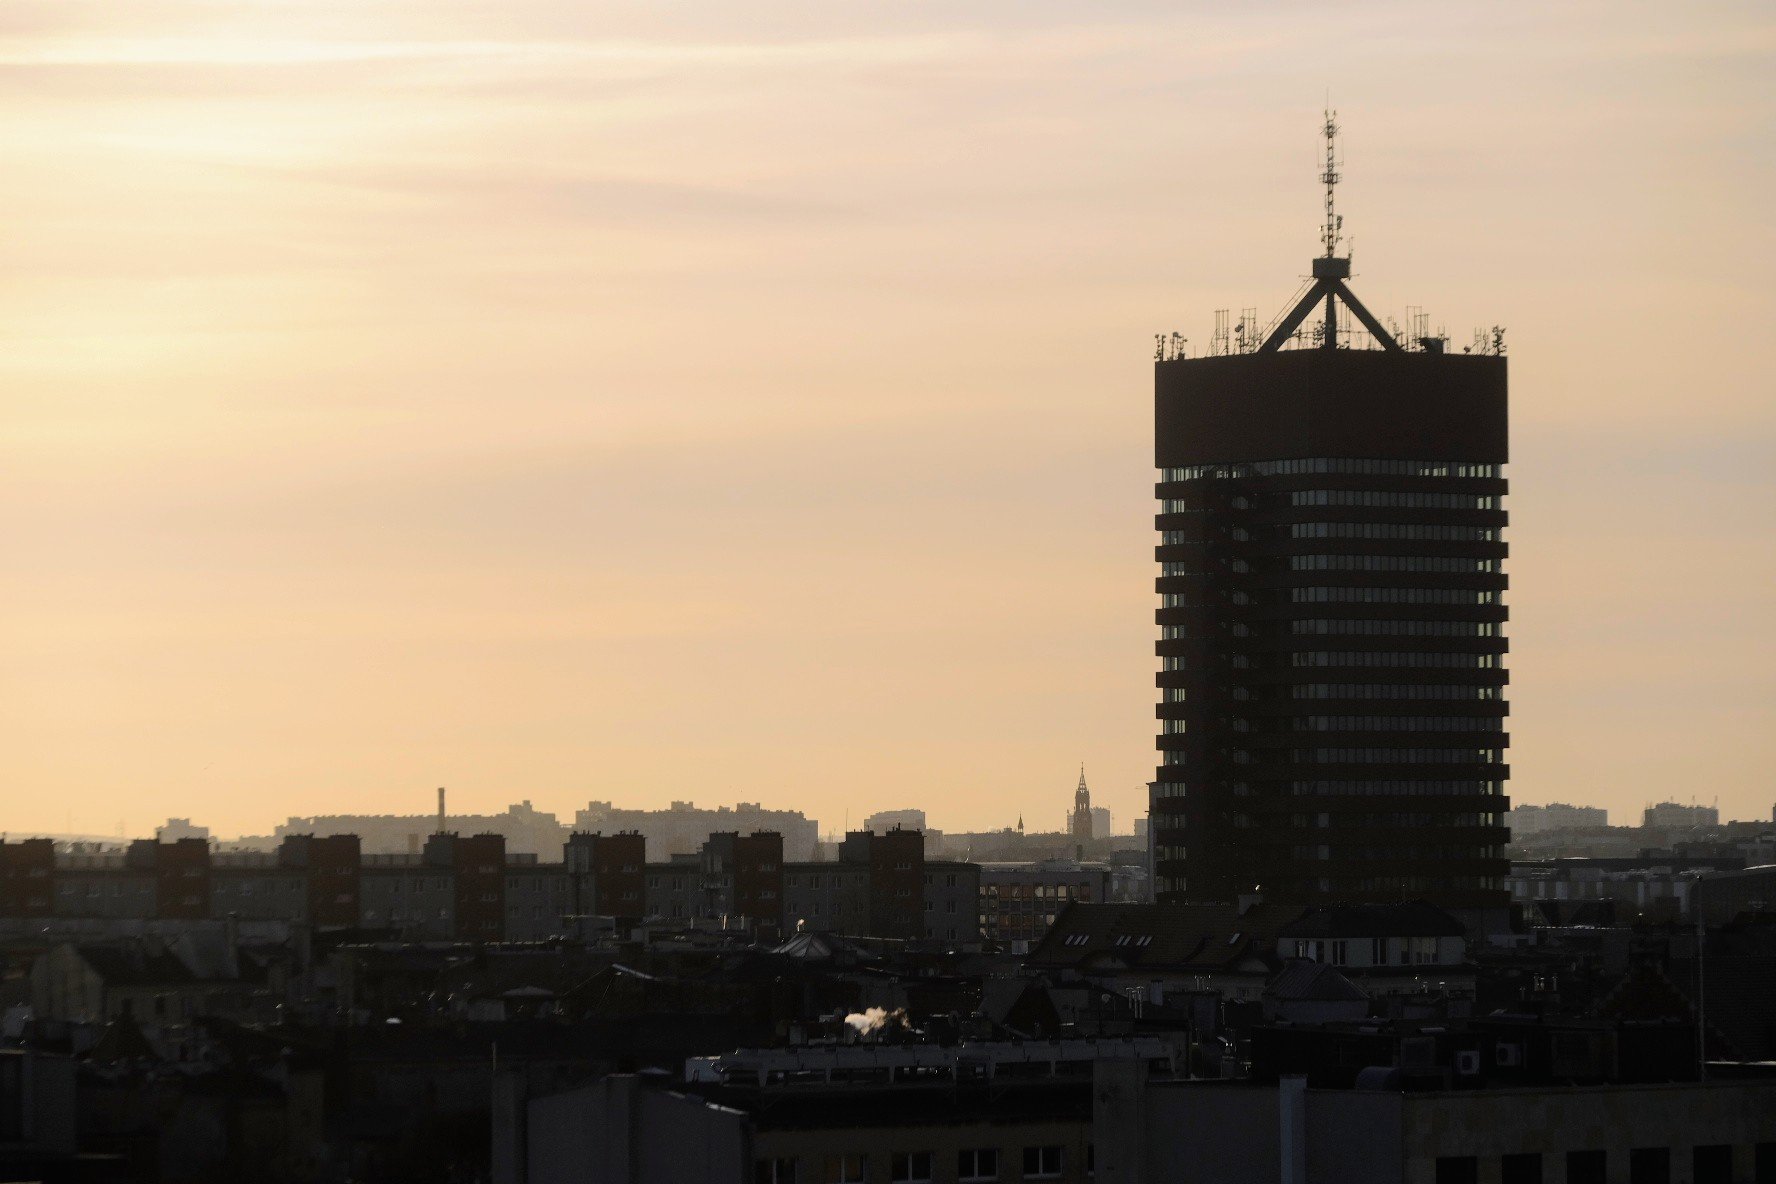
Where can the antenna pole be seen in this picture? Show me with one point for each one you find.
(1329, 273)
(1330, 178)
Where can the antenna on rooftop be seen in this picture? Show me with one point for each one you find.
(1334, 224)
(1330, 271)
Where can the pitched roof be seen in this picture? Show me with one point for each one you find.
(821, 947)
(1304, 981)
(1413, 918)
(135, 963)
(1196, 937)
(122, 1040)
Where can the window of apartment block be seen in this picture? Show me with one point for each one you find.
(846, 1169)
(978, 1163)
(1712, 1164)
(774, 1171)
(1763, 1163)
(910, 1167)
(1525, 1168)
(1458, 1169)
(1586, 1167)
(1042, 1163)
(1649, 1165)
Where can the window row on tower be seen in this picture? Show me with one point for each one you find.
(1363, 787)
(1431, 659)
(1388, 531)
(1462, 597)
(1365, 690)
(1383, 499)
(1352, 756)
(1439, 564)
(1323, 627)
(1309, 466)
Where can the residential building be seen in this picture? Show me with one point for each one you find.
(896, 863)
(855, 1113)
(526, 829)
(471, 888)
(1675, 816)
(1387, 949)
(1202, 1132)
(952, 901)
(1532, 820)
(681, 828)
(883, 820)
(1019, 901)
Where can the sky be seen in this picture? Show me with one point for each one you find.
(566, 401)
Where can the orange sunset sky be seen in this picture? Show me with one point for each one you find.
(753, 401)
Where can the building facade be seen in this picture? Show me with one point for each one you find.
(472, 888)
(1532, 820)
(682, 827)
(1331, 623)
(1019, 901)
(1676, 816)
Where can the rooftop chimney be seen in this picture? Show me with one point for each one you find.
(440, 809)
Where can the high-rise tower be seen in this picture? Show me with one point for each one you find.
(1331, 623)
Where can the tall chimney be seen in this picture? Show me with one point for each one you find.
(440, 809)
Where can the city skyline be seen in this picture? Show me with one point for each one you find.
(561, 407)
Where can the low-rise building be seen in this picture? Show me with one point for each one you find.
(1019, 901)
(1196, 1132)
(1384, 949)
(1151, 950)
(853, 1114)
(1530, 820)
(472, 888)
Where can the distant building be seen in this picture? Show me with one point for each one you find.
(1100, 828)
(886, 820)
(525, 828)
(1080, 824)
(1674, 816)
(475, 888)
(682, 828)
(152, 980)
(1655, 884)
(180, 828)
(1533, 820)
(1019, 901)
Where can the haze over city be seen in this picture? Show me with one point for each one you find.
(564, 404)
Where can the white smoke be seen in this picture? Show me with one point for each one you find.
(874, 1019)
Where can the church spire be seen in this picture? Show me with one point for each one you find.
(1080, 825)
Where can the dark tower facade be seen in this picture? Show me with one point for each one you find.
(1332, 622)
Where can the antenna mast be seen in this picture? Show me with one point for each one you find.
(1331, 177)
(1329, 272)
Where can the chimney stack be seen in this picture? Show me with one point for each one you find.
(440, 809)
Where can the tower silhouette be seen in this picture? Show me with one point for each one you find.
(1080, 826)
(1331, 625)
